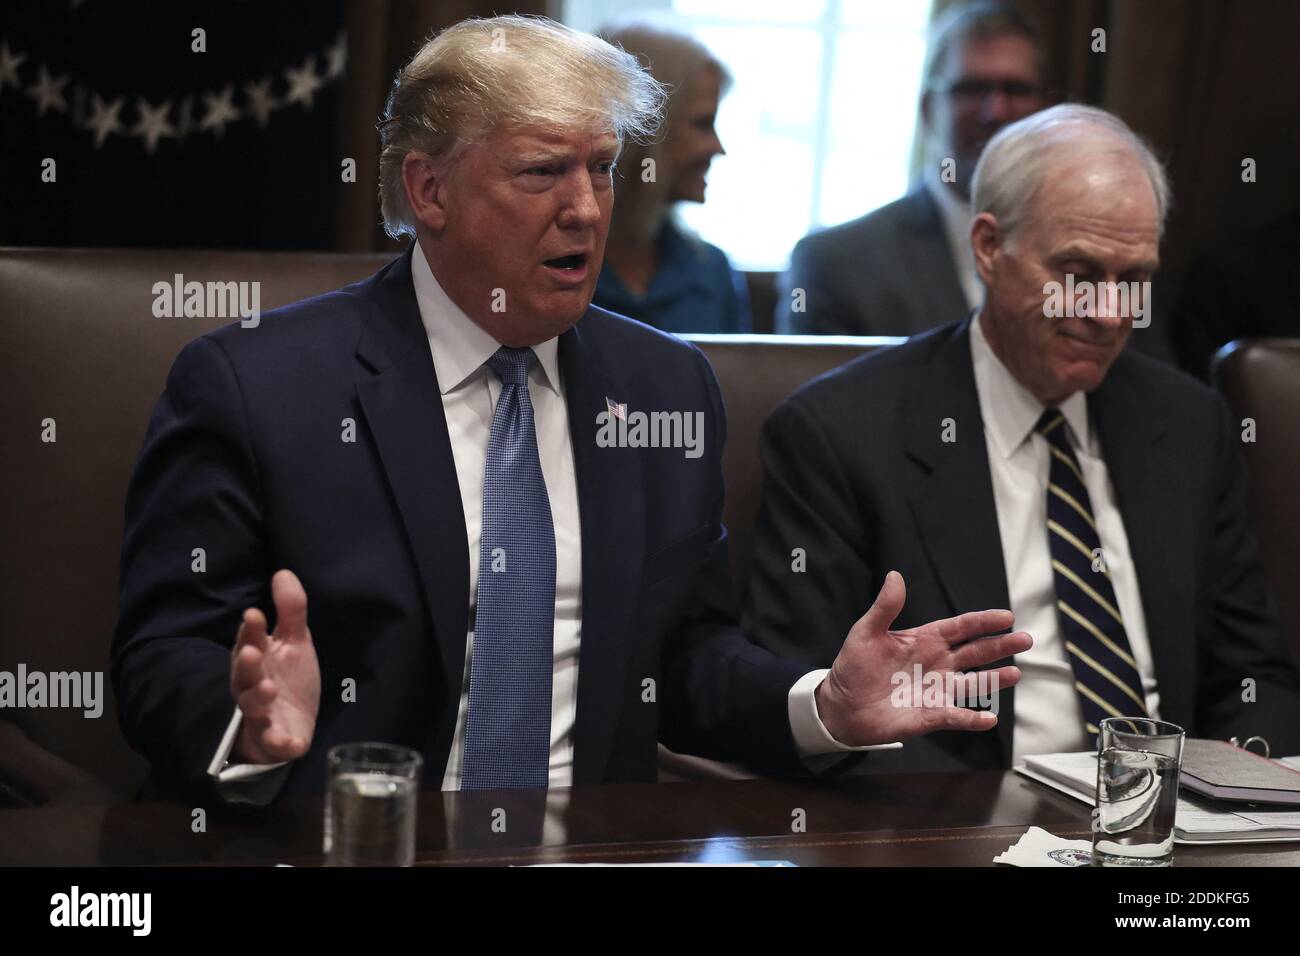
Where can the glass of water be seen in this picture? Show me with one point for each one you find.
(370, 804)
(1138, 762)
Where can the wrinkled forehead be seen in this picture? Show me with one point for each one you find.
(528, 139)
(1105, 190)
(1113, 185)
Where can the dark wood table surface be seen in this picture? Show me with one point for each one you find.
(905, 820)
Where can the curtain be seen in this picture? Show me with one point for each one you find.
(133, 124)
(125, 128)
(1209, 83)
(382, 35)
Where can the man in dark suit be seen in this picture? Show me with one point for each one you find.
(1022, 457)
(900, 269)
(509, 574)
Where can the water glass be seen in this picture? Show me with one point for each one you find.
(1138, 761)
(370, 805)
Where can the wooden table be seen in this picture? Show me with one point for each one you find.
(905, 820)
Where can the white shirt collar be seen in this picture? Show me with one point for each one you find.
(1009, 410)
(460, 345)
(955, 217)
(954, 210)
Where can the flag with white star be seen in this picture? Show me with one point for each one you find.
(212, 124)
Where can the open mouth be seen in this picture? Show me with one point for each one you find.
(567, 263)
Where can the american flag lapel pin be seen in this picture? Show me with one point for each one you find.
(616, 409)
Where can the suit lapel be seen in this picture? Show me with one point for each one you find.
(403, 411)
(1131, 429)
(952, 498)
(612, 512)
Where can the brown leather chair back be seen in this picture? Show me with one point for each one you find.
(82, 348)
(1260, 378)
(756, 372)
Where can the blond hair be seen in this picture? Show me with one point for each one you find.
(481, 75)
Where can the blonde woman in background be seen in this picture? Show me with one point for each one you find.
(655, 270)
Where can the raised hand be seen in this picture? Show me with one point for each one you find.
(275, 678)
(858, 702)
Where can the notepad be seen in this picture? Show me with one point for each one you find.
(1218, 769)
(1198, 819)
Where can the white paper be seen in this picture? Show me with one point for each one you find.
(1037, 847)
(1076, 773)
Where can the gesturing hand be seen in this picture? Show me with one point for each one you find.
(854, 701)
(275, 678)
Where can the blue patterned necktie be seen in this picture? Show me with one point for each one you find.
(1105, 673)
(508, 727)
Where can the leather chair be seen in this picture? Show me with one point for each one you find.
(756, 372)
(1260, 378)
(82, 347)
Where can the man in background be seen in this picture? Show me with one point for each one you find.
(907, 266)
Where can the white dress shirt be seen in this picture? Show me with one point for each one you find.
(460, 347)
(954, 215)
(1048, 718)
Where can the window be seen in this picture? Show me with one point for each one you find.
(819, 124)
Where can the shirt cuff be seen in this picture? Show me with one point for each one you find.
(250, 783)
(811, 738)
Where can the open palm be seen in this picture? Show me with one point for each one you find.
(275, 678)
(858, 702)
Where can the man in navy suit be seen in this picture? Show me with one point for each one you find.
(1023, 457)
(499, 578)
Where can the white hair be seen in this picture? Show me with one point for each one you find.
(1015, 161)
(486, 74)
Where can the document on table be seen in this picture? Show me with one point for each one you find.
(1196, 821)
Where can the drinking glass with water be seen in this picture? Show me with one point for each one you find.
(1138, 762)
(370, 805)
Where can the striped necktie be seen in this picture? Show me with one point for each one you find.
(1105, 673)
(508, 725)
